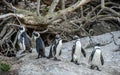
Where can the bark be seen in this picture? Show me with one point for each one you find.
(31, 20)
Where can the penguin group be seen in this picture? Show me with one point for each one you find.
(96, 59)
(55, 49)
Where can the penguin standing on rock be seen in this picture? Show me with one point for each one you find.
(55, 49)
(77, 50)
(96, 58)
(24, 41)
(40, 47)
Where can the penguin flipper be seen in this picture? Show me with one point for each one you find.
(102, 60)
(54, 50)
(50, 54)
(60, 52)
(21, 39)
(91, 56)
(73, 51)
(83, 52)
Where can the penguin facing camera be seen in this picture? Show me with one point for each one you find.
(23, 40)
(55, 49)
(96, 58)
(77, 50)
(40, 46)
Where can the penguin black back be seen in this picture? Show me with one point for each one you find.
(39, 42)
(40, 46)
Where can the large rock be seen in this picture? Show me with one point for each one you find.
(43, 66)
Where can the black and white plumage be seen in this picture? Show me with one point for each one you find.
(55, 50)
(40, 46)
(96, 58)
(77, 50)
(24, 41)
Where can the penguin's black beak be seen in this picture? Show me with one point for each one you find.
(20, 28)
(35, 34)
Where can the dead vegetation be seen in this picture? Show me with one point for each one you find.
(64, 17)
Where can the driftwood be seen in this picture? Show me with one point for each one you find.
(6, 45)
(53, 17)
(31, 20)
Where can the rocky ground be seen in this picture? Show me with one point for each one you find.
(43, 66)
(28, 65)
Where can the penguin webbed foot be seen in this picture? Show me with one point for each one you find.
(98, 68)
(77, 63)
(43, 56)
(71, 60)
(94, 67)
(55, 59)
(49, 57)
(23, 52)
(30, 51)
(37, 58)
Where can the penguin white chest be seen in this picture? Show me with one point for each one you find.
(34, 38)
(78, 48)
(58, 48)
(96, 58)
(77, 53)
(20, 41)
(19, 35)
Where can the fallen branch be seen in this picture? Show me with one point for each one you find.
(33, 20)
(38, 7)
(53, 6)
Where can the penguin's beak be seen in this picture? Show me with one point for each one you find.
(19, 28)
(33, 37)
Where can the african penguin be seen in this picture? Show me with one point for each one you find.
(55, 49)
(40, 47)
(96, 58)
(77, 50)
(24, 41)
